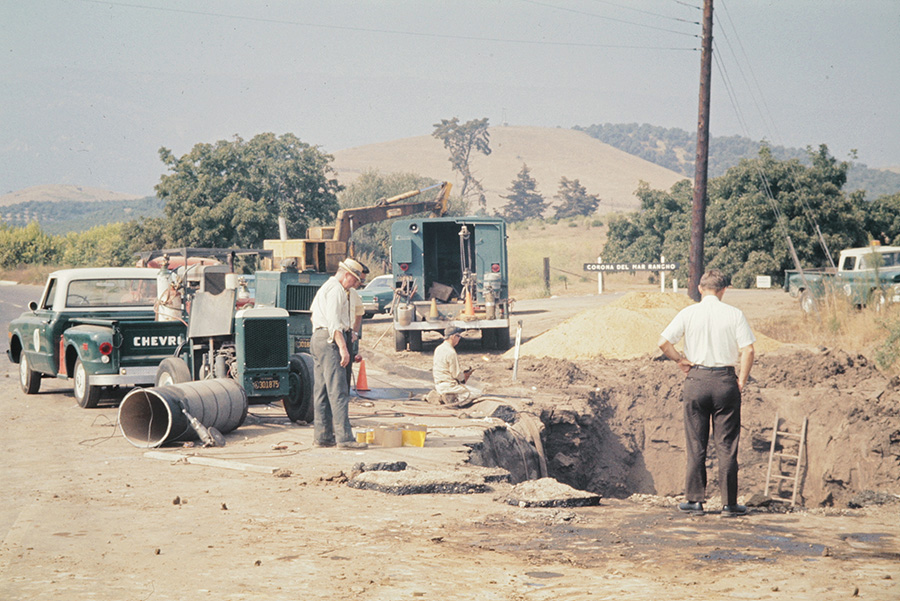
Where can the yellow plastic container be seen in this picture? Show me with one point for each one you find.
(414, 436)
(367, 435)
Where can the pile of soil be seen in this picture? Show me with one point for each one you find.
(627, 328)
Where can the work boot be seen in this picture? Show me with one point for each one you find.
(730, 511)
(352, 445)
(691, 507)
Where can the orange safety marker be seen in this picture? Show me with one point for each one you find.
(361, 383)
(470, 309)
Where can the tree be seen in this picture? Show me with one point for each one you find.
(660, 228)
(524, 202)
(373, 241)
(462, 140)
(27, 245)
(231, 193)
(574, 201)
(751, 209)
(101, 245)
(883, 219)
(760, 201)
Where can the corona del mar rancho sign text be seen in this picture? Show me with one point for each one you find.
(661, 266)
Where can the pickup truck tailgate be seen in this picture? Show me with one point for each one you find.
(148, 342)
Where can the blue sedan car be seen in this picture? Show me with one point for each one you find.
(378, 295)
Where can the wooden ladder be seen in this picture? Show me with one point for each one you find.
(796, 458)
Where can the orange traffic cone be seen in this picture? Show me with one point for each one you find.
(470, 309)
(361, 383)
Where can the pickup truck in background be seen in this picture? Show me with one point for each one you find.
(96, 326)
(865, 276)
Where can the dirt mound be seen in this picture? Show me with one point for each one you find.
(627, 328)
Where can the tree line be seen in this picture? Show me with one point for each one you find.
(675, 149)
(63, 217)
(751, 211)
(233, 192)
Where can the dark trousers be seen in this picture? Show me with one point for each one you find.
(711, 396)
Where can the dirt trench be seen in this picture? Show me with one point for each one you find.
(615, 427)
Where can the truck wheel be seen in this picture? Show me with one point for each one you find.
(87, 396)
(172, 370)
(399, 340)
(298, 405)
(415, 341)
(502, 335)
(877, 300)
(29, 380)
(807, 302)
(488, 339)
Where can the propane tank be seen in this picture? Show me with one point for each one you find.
(491, 289)
(490, 307)
(168, 298)
(405, 315)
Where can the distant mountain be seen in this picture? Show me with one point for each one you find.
(675, 149)
(550, 154)
(64, 209)
(62, 193)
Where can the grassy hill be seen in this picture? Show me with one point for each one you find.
(549, 153)
(674, 149)
(62, 193)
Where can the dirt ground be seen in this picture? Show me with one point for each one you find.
(86, 515)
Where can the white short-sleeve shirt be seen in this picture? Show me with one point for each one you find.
(713, 332)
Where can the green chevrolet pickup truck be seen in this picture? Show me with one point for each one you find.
(868, 275)
(96, 326)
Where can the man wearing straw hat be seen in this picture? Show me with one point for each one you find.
(331, 322)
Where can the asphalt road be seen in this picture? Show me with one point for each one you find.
(14, 299)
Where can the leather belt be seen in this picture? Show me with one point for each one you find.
(723, 368)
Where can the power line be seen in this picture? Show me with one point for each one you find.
(606, 18)
(647, 12)
(420, 34)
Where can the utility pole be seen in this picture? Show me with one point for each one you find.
(698, 212)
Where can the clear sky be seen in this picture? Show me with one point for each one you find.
(91, 90)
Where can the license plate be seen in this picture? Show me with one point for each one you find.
(265, 383)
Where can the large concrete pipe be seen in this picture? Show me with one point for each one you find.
(151, 417)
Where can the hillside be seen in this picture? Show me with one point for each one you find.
(549, 153)
(674, 149)
(62, 193)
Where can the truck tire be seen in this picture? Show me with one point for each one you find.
(878, 300)
(87, 396)
(172, 370)
(399, 340)
(807, 302)
(415, 341)
(502, 335)
(298, 405)
(29, 380)
(488, 339)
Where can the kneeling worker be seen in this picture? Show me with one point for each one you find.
(449, 378)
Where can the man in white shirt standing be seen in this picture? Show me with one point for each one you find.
(331, 321)
(449, 377)
(717, 339)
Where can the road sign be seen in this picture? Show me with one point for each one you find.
(630, 266)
